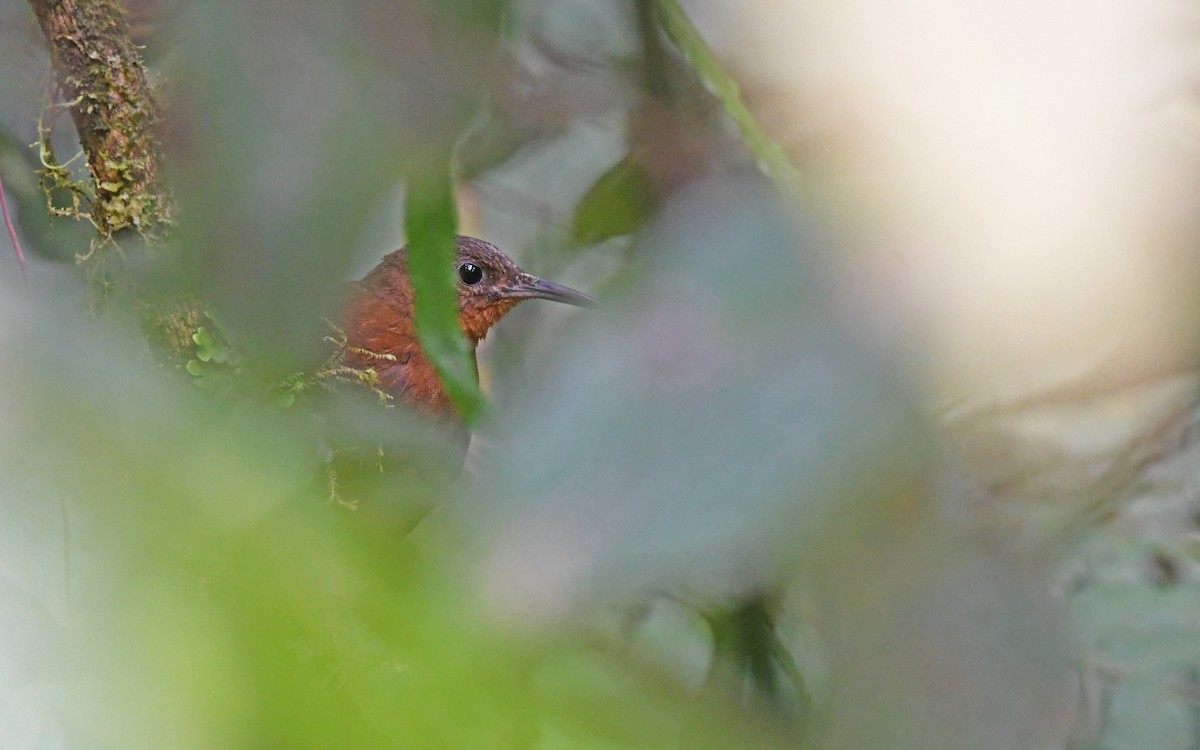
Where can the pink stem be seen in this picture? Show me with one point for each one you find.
(12, 235)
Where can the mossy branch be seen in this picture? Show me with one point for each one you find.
(101, 74)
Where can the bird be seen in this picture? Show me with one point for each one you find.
(391, 474)
(381, 335)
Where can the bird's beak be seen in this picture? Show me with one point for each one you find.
(531, 287)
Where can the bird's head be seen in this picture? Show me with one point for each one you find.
(490, 284)
(379, 322)
(379, 313)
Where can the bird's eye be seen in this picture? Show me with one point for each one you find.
(470, 274)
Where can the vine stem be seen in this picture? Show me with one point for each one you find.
(772, 159)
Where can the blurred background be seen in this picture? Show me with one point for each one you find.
(883, 434)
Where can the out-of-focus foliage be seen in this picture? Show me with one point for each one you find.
(430, 224)
(716, 511)
(709, 375)
(618, 204)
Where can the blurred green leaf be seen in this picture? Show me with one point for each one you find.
(619, 203)
(219, 600)
(430, 219)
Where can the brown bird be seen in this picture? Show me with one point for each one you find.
(378, 320)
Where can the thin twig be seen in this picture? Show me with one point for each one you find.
(66, 557)
(12, 235)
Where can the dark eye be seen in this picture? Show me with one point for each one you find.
(470, 274)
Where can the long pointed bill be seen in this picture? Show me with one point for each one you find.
(531, 287)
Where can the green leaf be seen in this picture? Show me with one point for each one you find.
(283, 394)
(210, 348)
(205, 344)
(617, 204)
(430, 221)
